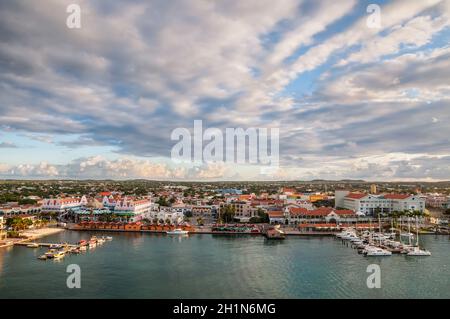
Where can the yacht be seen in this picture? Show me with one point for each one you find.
(177, 231)
(418, 252)
(375, 251)
(345, 233)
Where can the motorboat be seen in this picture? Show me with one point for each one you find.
(33, 245)
(50, 253)
(59, 254)
(418, 252)
(177, 231)
(42, 257)
(375, 251)
(108, 238)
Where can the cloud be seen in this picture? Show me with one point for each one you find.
(7, 145)
(338, 90)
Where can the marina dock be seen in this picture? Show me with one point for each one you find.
(43, 244)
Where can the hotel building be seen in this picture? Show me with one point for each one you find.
(137, 208)
(369, 204)
(61, 204)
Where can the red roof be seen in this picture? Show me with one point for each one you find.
(356, 195)
(344, 212)
(322, 211)
(297, 210)
(275, 214)
(105, 193)
(396, 196)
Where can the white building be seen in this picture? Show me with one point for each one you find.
(60, 204)
(166, 213)
(369, 204)
(139, 208)
(243, 210)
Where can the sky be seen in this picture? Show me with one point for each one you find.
(351, 99)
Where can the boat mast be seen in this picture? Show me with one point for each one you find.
(379, 228)
(409, 230)
(417, 233)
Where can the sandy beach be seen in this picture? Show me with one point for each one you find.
(31, 234)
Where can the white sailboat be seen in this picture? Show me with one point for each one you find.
(416, 251)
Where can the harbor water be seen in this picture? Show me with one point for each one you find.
(135, 265)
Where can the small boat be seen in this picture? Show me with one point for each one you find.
(82, 243)
(33, 245)
(274, 233)
(92, 243)
(82, 248)
(50, 253)
(42, 257)
(418, 252)
(59, 254)
(55, 246)
(109, 238)
(177, 231)
(375, 251)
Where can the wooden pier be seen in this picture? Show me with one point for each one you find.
(44, 244)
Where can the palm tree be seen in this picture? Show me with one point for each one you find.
(200, 221)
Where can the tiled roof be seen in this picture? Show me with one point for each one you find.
(356, 195)
(396, 196)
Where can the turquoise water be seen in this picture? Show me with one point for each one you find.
(136, 265)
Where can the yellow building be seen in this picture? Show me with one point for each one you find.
(315, 198)
(373, 189)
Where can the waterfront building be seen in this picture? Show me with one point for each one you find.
(165, 214)
(243, 210)
(370, 204)
(205, 211)
(373, 189)
(60, 204)
(14, 209)
(109, 201)
(138, 209)
(277, 217)
(436, 201)
(298, 215)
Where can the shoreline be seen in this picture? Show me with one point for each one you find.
(32, 235)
